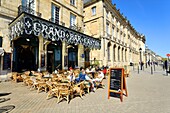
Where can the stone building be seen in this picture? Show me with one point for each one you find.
(121, 44)
(8, 11)
(46, 34)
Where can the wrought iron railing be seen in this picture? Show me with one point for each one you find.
(22, 8)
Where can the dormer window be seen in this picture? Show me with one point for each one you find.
(93, 10)
(73, 2)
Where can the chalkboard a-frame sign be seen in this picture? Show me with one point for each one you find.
(116, 82)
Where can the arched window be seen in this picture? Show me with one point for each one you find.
(114, 55)
(118, 54)
(122, 54)
(126, 55)
(108, 50)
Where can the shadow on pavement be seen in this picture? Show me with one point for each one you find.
(4, 99)
(6, 109)
(4, 94)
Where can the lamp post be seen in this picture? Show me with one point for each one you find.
(146, 58)
(140, 49)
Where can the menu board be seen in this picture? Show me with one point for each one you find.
(116, 82)
(115, 79)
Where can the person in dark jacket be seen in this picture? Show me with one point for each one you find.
(166, 66)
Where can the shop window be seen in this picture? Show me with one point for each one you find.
(7, 61)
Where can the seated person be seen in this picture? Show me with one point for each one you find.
(84, 76)
(56, 71)
(71, 76)
(104, 70)
(88, 70)
(100, 76)
(93, 71)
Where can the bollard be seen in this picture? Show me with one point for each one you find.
(154, 66)
(151, 70)
(138, 69)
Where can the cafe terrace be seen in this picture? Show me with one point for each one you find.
(49, 45)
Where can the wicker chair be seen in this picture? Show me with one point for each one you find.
(63, 92)
(52, 90)
(78, 89)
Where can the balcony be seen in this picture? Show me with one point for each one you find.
(76, 28)
(28, 10)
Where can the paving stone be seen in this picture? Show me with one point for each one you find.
(146, 94)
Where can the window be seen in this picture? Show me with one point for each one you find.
(93, 10)
(107, 29)
(72, 20)
(118, 54)
(1, 41)
(125, 55)
(114, 55)
(122, 55)
(107, 14)
(108, 50)
(117, 33)
(30, 6)
(73, 2)
(55, 14)
(7, 61)
(113, 31)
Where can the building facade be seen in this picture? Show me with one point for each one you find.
(8, 12)
(121, 44)
(48, 34)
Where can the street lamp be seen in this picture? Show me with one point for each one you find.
(140, 49)
(146, 58)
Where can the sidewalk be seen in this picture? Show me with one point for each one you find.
(146, 94)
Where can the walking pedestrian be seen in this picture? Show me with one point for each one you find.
(166, 66)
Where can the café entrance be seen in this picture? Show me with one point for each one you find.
(25, 54)
(54, 56)
(73, 56)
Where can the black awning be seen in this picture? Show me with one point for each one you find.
(29, 24)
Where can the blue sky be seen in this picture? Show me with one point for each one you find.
(151, 18)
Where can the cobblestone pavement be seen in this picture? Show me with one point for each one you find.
(146, 94)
